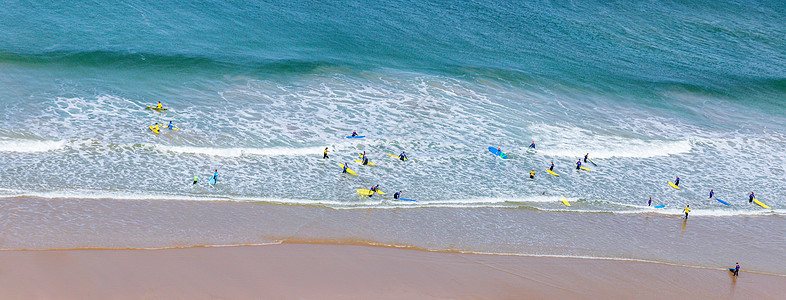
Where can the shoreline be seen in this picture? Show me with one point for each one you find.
(339, 271)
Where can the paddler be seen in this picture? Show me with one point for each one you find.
(157, 128)
(396, 195)
(649, 203)
(578, 165)
(171, 126)
(402, 156)
(712, 193)
(686, 210)
(196, 178)
(532, 174)
(325, 155)
(159, 106)
(751, 197)
(354, 133)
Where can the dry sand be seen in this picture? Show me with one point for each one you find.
(349, 271)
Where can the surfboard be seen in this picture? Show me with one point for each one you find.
(365, 192)
(721, 201)
(565, 201)
(593, 163)
(153, 128)
(761, 204)
(396, 156)
(673, 185)
(173, 128)
(212, 180)
(356, 137)
(403, 199)
(348, 169)
(732, 269)
(156, 108)
(660, 206)
(552, 173)
(361, 162)
(498, 153)
(583, 168)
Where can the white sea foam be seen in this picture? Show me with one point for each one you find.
(20, 145)
(237, 152)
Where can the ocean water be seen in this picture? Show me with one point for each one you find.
(651, 90)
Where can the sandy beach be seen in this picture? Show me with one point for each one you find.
(350, 271)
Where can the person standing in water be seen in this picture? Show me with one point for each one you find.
(402, 156)
(737, 270)
(585, 157)
(552, 166)
(751, 197)
(712, 193)
(532, 174)
(196, 178)
(686, 210)
(354, 133)
(677, 181)
(325, 156)
(649, 203)
(578, 165)
(531, 145)
(215, 176)
(345, 168)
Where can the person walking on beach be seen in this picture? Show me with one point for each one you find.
(737, 270)
(751, 197)
(686, 210)
(649, 203)
(196, 178)
(532, 174)
(712, 193)
(325, 156)
(677, 181)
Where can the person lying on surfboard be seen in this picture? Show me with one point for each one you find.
(532, 145)
(751, 197)
(402, 156)
(354, 133)
(578, 164)
(585, 157)
(552, 166)
(677, 181)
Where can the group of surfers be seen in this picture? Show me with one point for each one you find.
(364, 161)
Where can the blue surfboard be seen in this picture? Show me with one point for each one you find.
(498, 153)
(356, 137)
(721, 201)
(660, 206)
(212, 181)
(402, 199)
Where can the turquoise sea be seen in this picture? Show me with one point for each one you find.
(651, 90)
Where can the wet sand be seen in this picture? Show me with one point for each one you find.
(350, 271)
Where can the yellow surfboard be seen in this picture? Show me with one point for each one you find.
(761, 204)
(156, 108)
(673, 185)
(552, 173)
(153, 128)
(348, 169)
(365, 192)
(361, 162)
(565, 201)
(396, 156)
(583, 168)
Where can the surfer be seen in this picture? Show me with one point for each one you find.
(649, 203)
(532, 174)
(737, 270)
(171, 126)
(686, 210)
(345, 168)
(402, 156)
(159, 106)
(585, 157)
(373, 189)
(552, 166)
(215, 176)
(578, 165)
(677, 181)
(751, 197)
(325, 155)
(157, 128)
(354, 133)
(196, 178)
(365, 159)
(712, 193)
(531, 145)
(396, 195)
